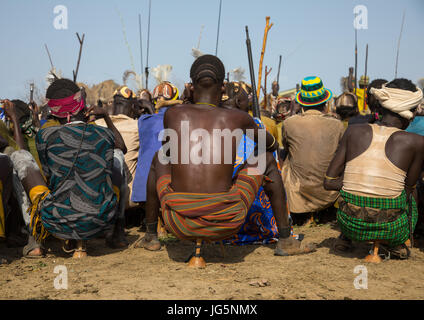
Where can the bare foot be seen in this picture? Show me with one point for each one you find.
(78, 254)
(37, 252)
(290, 246)
(148, 242)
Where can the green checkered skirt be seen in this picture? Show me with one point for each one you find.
(394, 233)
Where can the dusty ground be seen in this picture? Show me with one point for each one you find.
(140, 274)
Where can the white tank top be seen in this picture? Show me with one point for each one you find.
(372, 174)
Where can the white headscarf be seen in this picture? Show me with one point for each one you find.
(397, 100)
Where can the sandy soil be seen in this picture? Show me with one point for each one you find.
(248, 272)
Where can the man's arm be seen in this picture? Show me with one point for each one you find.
(249, 123)
(102, 113)
(9, 109)
(334, 176)
(416, 167)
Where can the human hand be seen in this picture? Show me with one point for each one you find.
(9, 109)
(96, 111)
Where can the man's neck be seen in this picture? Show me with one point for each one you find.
(390, 121)
(207, 100)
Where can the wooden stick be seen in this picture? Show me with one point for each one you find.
(264, 91)
(81, 42)
(50, 58)
(267, 28)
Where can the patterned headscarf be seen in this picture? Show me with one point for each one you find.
(125, 92)
(67, 107)
(165, 90)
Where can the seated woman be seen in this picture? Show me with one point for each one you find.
(80, 200)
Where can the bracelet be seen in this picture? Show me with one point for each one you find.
(272, 143)
(330, 178)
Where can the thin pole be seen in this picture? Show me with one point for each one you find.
(148, 47)
(141, 43)
(356, 58)
(219, 23)
(279, 68)
(50, 58)
(255, 107)
(366, 62)
(398, 46)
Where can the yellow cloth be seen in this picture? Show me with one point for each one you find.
(117, 191)
(270, 125)
(279, 127)
(36, 191)
(360, 93)
(50, 123)
(2, 215)
(37, 194)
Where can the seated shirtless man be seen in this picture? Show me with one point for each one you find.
(203, 200)
(376, 168)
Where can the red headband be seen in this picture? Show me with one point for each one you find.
(64, 108)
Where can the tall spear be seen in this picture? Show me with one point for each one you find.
(219, 23)
(366, 72)
(278, 74)
(148, 45)
(356, 58)
(50, 58)
(255, 107)
(141, 43)
(398, 46)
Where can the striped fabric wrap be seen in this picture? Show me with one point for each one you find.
(207, 216)
(393, 232)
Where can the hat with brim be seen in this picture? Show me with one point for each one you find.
(313, 93)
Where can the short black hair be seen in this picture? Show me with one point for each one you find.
(61, 88)
(22, 110)
(207, 66)
(403, 84)
(377, 84)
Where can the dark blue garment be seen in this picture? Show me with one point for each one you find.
(149, 127)
(417, 126)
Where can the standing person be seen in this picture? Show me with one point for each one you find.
(203, 200)
(310, 140)
(79, 201)
(375, 197)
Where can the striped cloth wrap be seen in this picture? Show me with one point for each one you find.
(393, 232)
(207, 216)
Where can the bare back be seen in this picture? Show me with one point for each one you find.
(210, 176)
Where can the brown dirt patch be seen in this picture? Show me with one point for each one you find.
(247, 272)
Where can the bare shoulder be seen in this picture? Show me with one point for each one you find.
(410, 139)
(358, 129)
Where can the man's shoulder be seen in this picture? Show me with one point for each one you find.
(405, 137)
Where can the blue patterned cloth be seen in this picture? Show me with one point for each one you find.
(260, 226)
(81, 203)
(149, 127)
